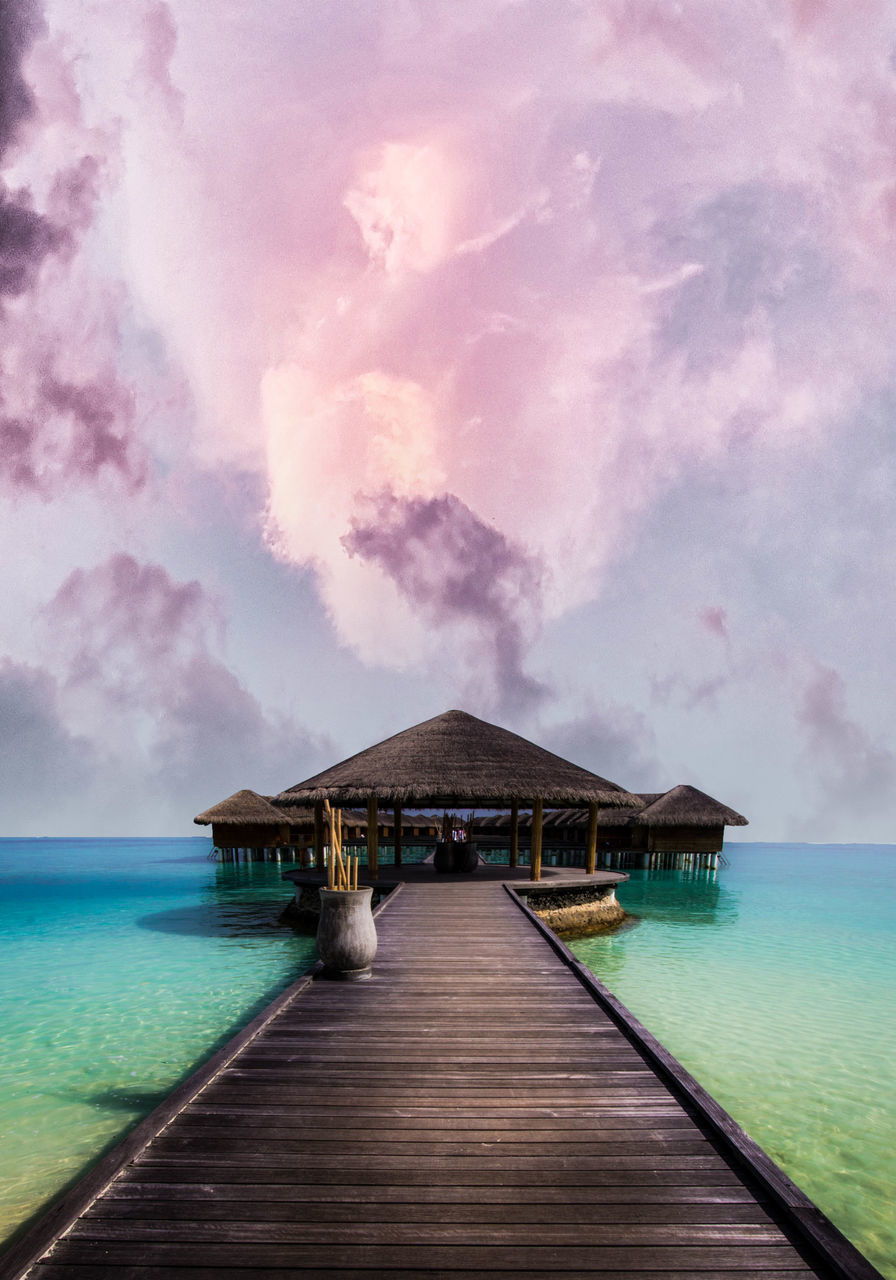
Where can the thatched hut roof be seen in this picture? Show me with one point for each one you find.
(686, 806)
(456, 759)
(242, 808)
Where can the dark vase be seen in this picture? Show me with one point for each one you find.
(444, 859)
(458, 856)
(466, 856)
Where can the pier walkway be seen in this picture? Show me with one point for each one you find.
(470, 1109)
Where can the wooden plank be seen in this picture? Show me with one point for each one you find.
(379, 1232)
(424, 1257)
(97, 1271)
(439, 1198)
(180, 1170)
(177, 1208)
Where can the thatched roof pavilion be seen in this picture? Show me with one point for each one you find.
(686, 806)
(243, 808)
(456, 759)
(685, 819)
(246, 820)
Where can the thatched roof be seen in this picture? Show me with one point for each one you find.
(456, 759)
(686, 806)
(243, 808)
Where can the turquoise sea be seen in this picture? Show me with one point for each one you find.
(773, 982)
(125, 963)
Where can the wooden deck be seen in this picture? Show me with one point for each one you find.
(470, 1109)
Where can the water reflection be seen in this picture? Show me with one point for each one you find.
(685, 898)
(243, 900)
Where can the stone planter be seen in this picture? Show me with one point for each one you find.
(346, 935)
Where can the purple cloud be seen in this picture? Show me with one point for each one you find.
(138, 650)
(126, 625)
(39, 757)
(101, 416)
(853, 768)
(72, 433)
(26, 236)
(455, 568)
(21, 23)
(55, 430)
(615, 742)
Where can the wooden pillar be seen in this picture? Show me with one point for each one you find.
(319, 834)
(535, 846)
(331, 842)
(514, 832)
(373, 838)
(396, 819)
(591, 851)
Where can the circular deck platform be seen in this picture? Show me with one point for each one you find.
(487, 872)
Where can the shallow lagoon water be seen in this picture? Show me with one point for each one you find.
(126, 963)
(773, 983)
(123, 965)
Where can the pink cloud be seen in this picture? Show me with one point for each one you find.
(715, 620)
(552, 263)
(159, 33)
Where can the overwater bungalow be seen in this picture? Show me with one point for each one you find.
(456, 761)
(683, 820)
(245, 821)
(663, 828)
(248, 825)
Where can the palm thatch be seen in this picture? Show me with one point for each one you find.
(456, 759)
(241, 809)
(686, 806)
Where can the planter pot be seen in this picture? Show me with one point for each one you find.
(346, 935)
(443, 858)
(467, 856)
(456, 855)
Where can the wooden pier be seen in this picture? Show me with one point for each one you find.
(478, 1106)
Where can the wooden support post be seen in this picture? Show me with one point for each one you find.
(373, 837)
(332, 859)
(515, 833)
(396, 818)
(319, 834)
(591, 851)
(535, 845)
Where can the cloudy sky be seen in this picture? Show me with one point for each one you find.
(364, 360)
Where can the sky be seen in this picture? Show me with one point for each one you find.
(359, 361)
